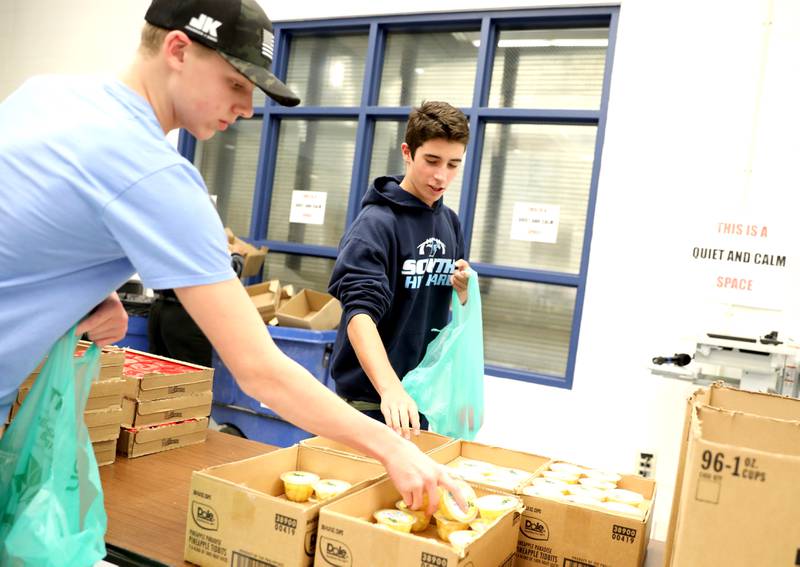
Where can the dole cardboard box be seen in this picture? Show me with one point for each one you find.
(721, 396)
(579, 529)
(740, 492)
(151, 377)
(136, 442)
(348, 536)
(494, 469)
(426, 442)
(239, 515)
(140, 414)
(310, 309)
(265, 296)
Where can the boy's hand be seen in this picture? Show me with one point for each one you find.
(107, 323)
(400, 411)
(459, 280)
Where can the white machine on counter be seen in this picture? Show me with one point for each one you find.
(764, 364)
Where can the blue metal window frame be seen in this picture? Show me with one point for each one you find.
(489, 23)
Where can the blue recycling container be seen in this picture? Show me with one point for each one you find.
(311, 349)
(137, 334)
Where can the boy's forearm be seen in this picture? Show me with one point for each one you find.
(371, 353)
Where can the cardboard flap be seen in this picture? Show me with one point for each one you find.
(721, 396)
(426, 441)
(747, 431)
(147, 434)
(182, 402)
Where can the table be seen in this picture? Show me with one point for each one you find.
(146, 498)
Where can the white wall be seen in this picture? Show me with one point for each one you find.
(702, 116)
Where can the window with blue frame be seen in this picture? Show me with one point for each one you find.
(534, 85)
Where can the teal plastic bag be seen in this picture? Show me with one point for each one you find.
(51, 500)
(447, 386)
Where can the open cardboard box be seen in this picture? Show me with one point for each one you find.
(555, 531)
(239, 515)
(348, 535)
(265, 296)
(253, 257)
(150, 377)
(136, 442)
(738, 471)
(722, 396)
(426, 441)
(310, 309)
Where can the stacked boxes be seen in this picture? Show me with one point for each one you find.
(737, 487)
(103, 413)
(166, 404)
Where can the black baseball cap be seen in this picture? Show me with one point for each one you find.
(239, 30)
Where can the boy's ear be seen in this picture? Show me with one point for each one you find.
(174, 48)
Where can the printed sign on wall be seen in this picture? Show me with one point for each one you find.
(308, 207)
(534, 222)
(744, 262)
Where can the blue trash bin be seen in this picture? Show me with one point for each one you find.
(310, 349)
(137, 334)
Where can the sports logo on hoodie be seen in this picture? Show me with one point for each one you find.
(430, 270)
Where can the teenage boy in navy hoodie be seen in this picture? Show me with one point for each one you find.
(396, 265)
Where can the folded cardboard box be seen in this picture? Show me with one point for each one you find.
(151, 377)
(103, 424)
(265, 296)
(105, 452)
(559, 529)
(144, 413)
(136, 442)
(239, 515)
(738, 469)
(348, 535)
(426, 441)
(310, 309)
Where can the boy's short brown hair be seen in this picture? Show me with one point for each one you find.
(151, 39)
(436, 119)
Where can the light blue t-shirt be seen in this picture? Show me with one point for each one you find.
(90, 192)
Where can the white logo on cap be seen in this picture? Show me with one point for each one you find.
(205, 26)
(267, 44)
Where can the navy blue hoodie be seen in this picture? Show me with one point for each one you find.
(394, 264)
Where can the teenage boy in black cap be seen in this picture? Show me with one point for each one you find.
(88, 181)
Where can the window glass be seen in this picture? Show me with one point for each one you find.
(549, 166)
(558, 68)
(300, 271)
(428, 66)
(327, 70)
(527, 325)
(313, 155)
(388, 160)
(228, 164)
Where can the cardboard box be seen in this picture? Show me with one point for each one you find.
(265, 297)
(724, 398)
(155, 412)
(426, 441)
(558, 532)
(111, 360)
(238, 514)
(310, 309)
(348, 536)
(105, 452)
(102, 395)
(136, 442)
(253, 257)
(104, 433)
(151, 377)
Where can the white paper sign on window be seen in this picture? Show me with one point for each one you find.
(534, 222)
(308, 207)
